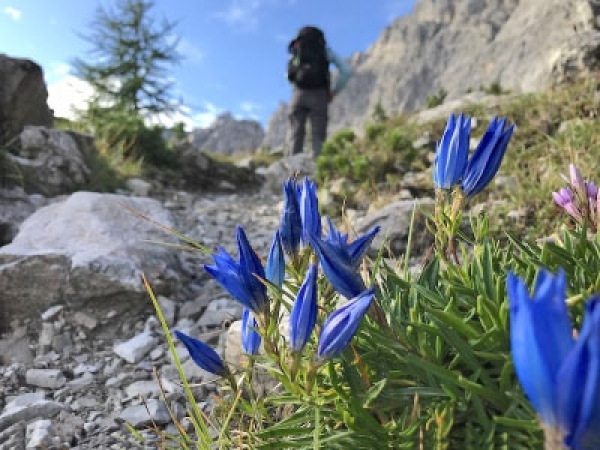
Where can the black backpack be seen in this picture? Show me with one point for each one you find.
(308, 67)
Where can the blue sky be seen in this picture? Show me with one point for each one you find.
(235, 49)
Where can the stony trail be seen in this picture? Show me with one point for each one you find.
(74, 373)
(81, 376)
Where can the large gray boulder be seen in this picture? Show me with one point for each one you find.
(52, 162)
(394, 220)
(23, 96)
(201, 170)
(228, 135)
(300, 165)
(87, 250)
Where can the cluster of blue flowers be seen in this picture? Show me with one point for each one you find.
(452, 165)
(560, 374)
(246, 280)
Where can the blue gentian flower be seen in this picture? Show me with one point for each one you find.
(579, 391)
(241, 279)
(541, 337)
(486, 159)
(304, 311)
(334, 237)
(341, 326)
(358, 247)
(309, 211)
(250, 338)
(203, 355)
(452, 152)
(340, 260)
(291, 221)
(275, 268)
(354, 251)
(338, 268)
(560, 375)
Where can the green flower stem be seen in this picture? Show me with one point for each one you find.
(311, 375)
(294, 366)
(441, 233)
(458, 203)
(276, 307)
(264, 326)
(249, 366)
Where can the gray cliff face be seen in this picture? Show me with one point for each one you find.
(23, 96)
(460, 45)
(277, 127)
(227, 136)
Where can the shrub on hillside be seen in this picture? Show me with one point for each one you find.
(495, 88)
(374, 130)
(436, 99)
(125, 133)
(384, 151)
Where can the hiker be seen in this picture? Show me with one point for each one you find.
(308, 71)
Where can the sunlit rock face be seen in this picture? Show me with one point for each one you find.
(89, 248)
(462, 46)
(228, 135)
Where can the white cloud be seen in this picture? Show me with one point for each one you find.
(245, 14)
(250, 107)
(191, 52)
(190, 119)
(57, 70)
(207, 116)
(249, 110)
(67, 94)
(14, 13)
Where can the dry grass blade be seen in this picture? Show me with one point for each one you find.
(167, 229)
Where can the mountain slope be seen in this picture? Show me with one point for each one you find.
(462, 45)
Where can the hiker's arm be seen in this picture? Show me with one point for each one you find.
(343, 69)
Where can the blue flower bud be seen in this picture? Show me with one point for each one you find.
(304, 311)
(341, 326)
(275, 269)
(203, 355)
(291, 222)
(309, 211)
(250, 338)
(486, 159)
(452, 152)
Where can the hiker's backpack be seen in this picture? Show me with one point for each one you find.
(308, 67)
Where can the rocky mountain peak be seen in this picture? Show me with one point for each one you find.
(228, 135)
(461, 46)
